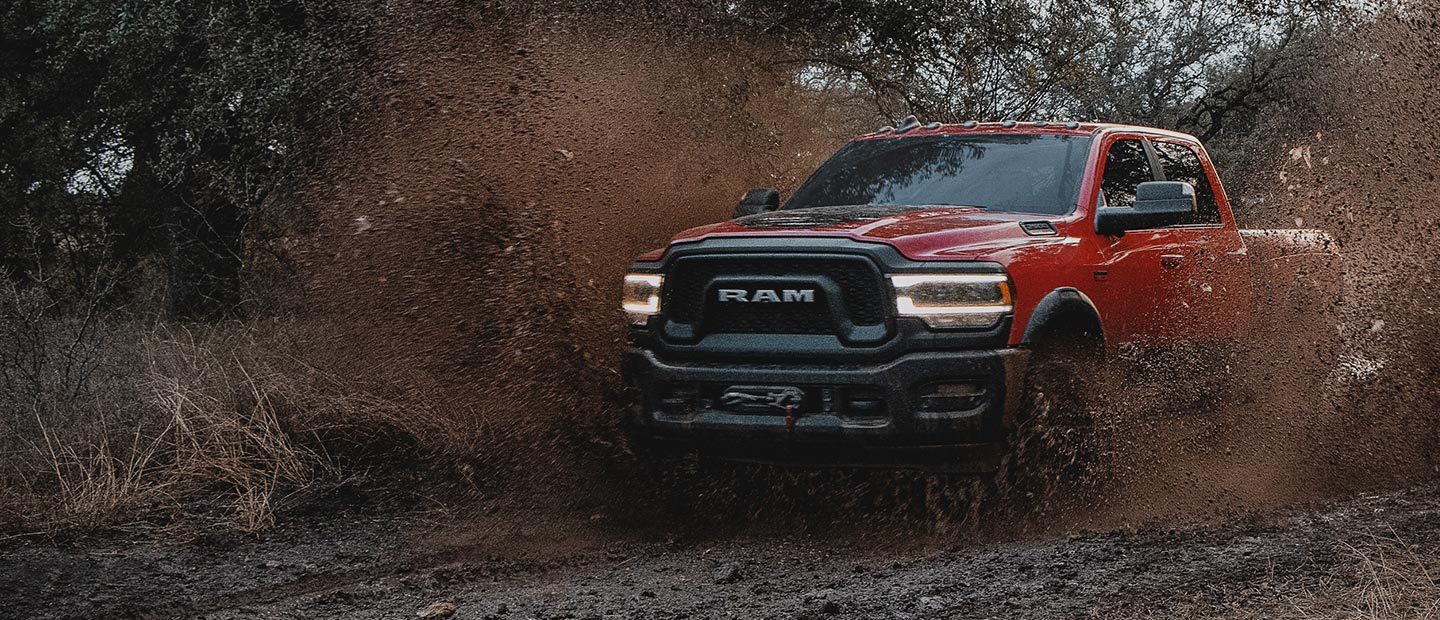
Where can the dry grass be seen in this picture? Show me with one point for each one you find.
(1383, 578)
(119, 422)
(1392, 580)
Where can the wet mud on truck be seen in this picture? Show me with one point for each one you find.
(936, 296)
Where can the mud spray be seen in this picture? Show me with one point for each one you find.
(472, 230)
(1364, 416)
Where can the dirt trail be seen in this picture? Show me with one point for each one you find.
(371, 566)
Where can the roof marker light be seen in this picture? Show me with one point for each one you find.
(1040, 123)
(970, 124)
(1072, 125)
(1008, 123)
(935, 125)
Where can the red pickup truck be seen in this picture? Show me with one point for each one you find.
(933, 291)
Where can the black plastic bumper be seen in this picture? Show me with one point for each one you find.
(941, 411)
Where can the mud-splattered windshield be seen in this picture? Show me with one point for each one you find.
(1024, 173)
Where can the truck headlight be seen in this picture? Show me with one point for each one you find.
(641, 296)
(954, 301)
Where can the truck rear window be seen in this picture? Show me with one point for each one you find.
(1017, 172)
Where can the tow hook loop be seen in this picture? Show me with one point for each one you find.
(789, 418)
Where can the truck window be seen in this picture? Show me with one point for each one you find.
(1182, 163)
(1126, 167)
(1002, 172)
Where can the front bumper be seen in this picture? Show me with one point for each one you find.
(901, 413)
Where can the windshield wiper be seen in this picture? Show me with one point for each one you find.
(946, 206)
(888, 208)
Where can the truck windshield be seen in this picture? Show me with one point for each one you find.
(1014, 172)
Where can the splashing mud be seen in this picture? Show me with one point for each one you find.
(1329, 401)
(471, 232)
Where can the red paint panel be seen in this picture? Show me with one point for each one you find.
(1157, 286)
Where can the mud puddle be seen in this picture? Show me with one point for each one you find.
(358, 565)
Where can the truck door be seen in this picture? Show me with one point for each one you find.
(1211, 285)
(1134, 272)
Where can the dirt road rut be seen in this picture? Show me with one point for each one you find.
(390, 566)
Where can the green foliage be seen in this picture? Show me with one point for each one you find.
(154, 132)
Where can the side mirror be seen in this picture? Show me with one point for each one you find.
(757, 201)
(1157, 204)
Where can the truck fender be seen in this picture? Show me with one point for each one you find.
(1065, 309)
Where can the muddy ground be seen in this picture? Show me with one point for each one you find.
(1360, 555)
(424, 233)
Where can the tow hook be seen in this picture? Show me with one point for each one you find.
(757, 399)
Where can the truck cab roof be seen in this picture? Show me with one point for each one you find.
(1067, 128)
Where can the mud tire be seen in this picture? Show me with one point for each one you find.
(1056, 449)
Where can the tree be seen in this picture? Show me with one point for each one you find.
(155, 132)
(1204, 66)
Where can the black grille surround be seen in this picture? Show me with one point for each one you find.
(858, 403)
(859, 290)
(855, 273)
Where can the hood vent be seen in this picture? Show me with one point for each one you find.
(1039, 228)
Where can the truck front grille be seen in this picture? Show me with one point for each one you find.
(857, 282)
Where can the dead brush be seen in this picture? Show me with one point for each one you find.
(1391, 580)
(94, 482)
(225, 427)
(210, 424)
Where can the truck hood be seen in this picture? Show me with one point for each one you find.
(956, 233)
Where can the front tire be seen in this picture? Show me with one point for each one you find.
(1056, 449)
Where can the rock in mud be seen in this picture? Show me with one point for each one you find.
(820, 603)
(728, 572)
(441, 609)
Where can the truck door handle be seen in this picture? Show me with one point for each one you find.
(1171, 261)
